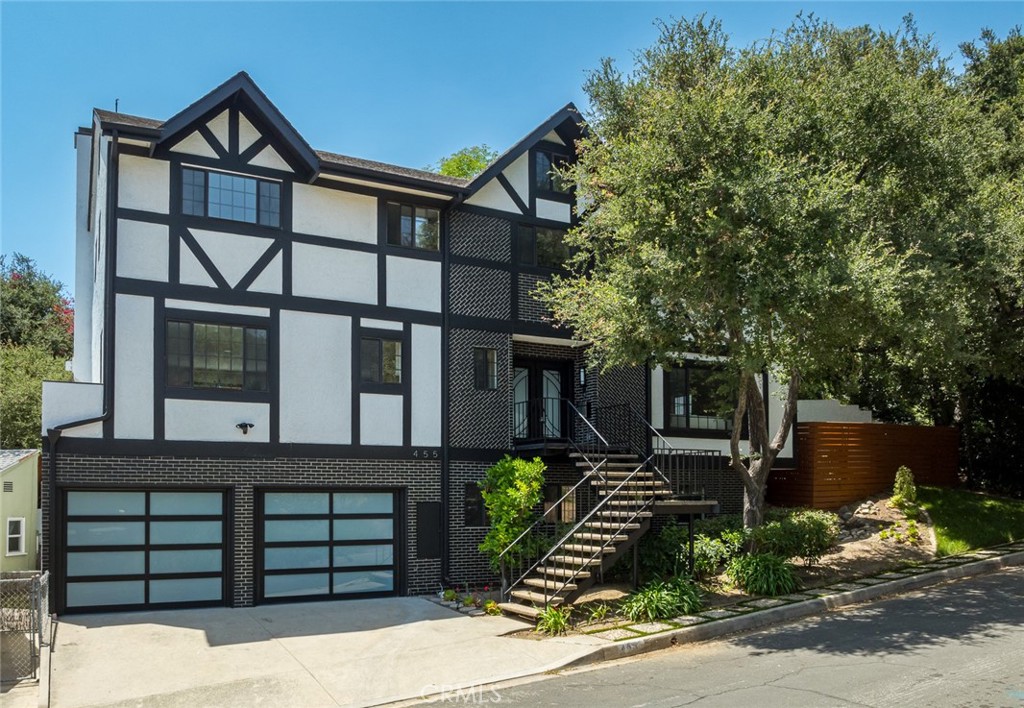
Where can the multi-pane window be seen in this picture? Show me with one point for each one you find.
(485, 368)
(693, 399)
(380, 360)
(233, 197)
(15, 536)
(413, 226)
(542, 247)
(205, 355)
(545, 175)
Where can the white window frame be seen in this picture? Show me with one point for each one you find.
(20, 536)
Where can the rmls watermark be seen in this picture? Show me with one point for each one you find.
(450, 693)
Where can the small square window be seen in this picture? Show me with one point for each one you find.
(15, 536)
(380, 360)
(542, 247)
(545, 175)
(413, 226)
(485, 368)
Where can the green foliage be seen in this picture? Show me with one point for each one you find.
(904, 491)
(964, 521)
(450, 595)
(762, 574)
(21, 392)
(36, 311)
(663, 554)
(806, 534)
(662, 600)
(511, 489)
(992, 435)
(467, 162)
(899, 533)
(491, 608)
(708, 556)
(599, 612)
(553, 620)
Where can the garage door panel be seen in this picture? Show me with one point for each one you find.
(292, 558)
(297, 530)
(134, 549)
(297, 585)
(296, 503)
(362, 582)
(364, 503)
(363, 529)
(347, 556)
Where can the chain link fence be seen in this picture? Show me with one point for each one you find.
(24, 623)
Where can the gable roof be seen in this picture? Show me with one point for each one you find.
(566, 117)
(9, 458)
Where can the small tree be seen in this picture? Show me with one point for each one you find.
(511, 489)
(467, 162)
(36, 311)
(21, 392)
(904, 491)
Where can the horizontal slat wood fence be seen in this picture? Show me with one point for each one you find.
(839, 463)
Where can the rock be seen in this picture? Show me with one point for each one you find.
(845, 515)
(844, 510)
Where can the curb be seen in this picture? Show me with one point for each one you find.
(43, 700)
(787, 613)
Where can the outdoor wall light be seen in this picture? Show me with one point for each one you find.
(583, 377)
(244, 427)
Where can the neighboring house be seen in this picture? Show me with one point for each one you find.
(292, 367)
(19, 508)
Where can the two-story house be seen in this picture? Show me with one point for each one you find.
(292, 367)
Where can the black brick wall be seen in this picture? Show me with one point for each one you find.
(530, 308)
(477, 291)
(478, 418)
(419, 479)
(478, 236)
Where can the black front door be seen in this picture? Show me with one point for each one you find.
(539, 390)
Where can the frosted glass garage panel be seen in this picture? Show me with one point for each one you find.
(296, 503)
(301, 557)
(296, 585)
(377, 554)
(129, 592)
(363, 529)
(185, 590)
(364, 503)
(168, 532)
(197, 561)
(106, 563)
(106, 503)
(366, 581)
(186, 503)
(297, 530)
(106, 533)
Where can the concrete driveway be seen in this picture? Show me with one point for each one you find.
(357, 652)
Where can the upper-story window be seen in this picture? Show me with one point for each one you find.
(233, 197)
(413, 226)
(485, 368)
(539, 246)
(545, 175)
(693, 400)
(380, 360)
(218, 356)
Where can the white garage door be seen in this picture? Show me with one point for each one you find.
(133, 549)
(327, 544)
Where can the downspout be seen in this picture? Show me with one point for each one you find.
(54, 434)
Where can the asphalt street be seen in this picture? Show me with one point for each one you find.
(959, 644)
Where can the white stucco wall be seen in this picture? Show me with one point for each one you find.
(141, 250)
(414, 283)
(133, 368)
(82, 360)
(426, 386)
(219, 127)
(98, 261)
(556, 211)
(232, 254)
(195, 144)
(380, 419)
(493, 196)
(216, 421)
(316, 378)
(518, 175)
(191, 271)
(247, 133)
(334, 274)
(66, 402)
(380, 324)
(269, 281)
(330, 212)
(144, 184)
(270, 158)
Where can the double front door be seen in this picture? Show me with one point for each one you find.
(539, 390)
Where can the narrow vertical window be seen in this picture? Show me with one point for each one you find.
(15, 536)
(485, 368)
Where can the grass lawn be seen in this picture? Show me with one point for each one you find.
(965, 521)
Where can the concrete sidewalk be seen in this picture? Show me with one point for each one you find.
(360, 652)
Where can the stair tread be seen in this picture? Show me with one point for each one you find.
(518, 609)
(622, 514)
(608, 455)
(585, 548)
(550, 584)
(606, 525)
(563, 572)
(616, 538)
(538, 597)
(574, 560)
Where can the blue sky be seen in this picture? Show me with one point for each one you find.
(405, 83)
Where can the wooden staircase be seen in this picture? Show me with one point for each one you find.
(626, 489)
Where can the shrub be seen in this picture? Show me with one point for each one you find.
(807, 534)
(708, 556)
(553, 620)
(511, 489)
(599, 612)
(663, 554)
(491, 608)
(762, 574)
(662, 600)
(904, 491)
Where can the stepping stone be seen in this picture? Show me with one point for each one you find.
(719, 614)
(867, 582)
(795, 597)
(687, 620)
(893, 576)
(616, 635)
(765, 602)
(843, 587)
(650, 627)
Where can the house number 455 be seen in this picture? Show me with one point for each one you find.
(425, 454)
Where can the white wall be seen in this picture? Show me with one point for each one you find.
(98, 259)
(334, 274)
(316, 378)
(330, 212)
(493, 196)
(380, 419)
(66, 402)
(829, 411)
(82, 361)
(414, 283)
(232, 254)
(518, 175)
(216, 421)
(133, 367)
(426, 386)
(556, 211)
(143, 184)
(141, 250)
